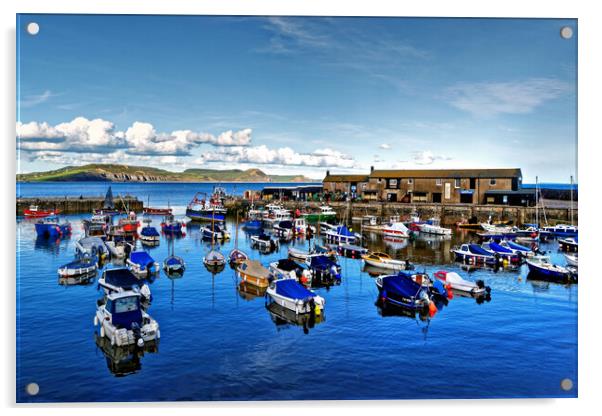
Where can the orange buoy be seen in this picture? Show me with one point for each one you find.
(432, 308)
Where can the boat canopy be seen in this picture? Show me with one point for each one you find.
(285, 224)
(477, 249)
(518, 247)
(141, 257)
(343, 230)
(321, 262)
(120, 277)
(289, 288)
(287, 265)
(401, 284)
(149, 232)
(499, 249)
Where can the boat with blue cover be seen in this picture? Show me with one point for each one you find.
(121, 279)
(123, 321)
(287, 268)
(562, 230)
(474, 253)
(142, 264)
(291, 295)
(543, 269)
(149, 235)
(171, 225)
(341, 235)
(516, 248)
(501, 251)
(401, 291)
(83, 265)
(435, 287)
(51, 227)
(324, 270)
(91, 246)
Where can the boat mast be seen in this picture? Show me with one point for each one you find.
(536, 202)
(571, 211)
(236, 238)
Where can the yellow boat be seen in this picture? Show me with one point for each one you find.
(252, 272)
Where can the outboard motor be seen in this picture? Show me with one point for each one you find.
(272, 245)
(137, 334)
(145, 292)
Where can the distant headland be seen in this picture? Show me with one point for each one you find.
(125, 173)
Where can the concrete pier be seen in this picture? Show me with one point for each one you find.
(77, 205)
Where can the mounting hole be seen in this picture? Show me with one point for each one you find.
(566, 32)
(32, 389)
(33, 28)
(566, 384)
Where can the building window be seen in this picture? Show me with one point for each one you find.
(438, 182)
(420, 197)
(392, 183)
(410, 181)
(456, 183)
(492, 182)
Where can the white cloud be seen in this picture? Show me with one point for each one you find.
(33, 100)
(263, 155)
(516, 97)
(426, 157)
(385, 146)
(98, 135)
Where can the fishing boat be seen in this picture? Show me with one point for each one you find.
(170, 225)
(254, 219)
(325, 213)
(384, 261)
(142, 264)
(571, 259)
(252, 272)
(34, 211)
(51, 227)
(287, 268)
(291, 295)
(456, 282)
(206, 209)
(149, 235)
(474, 253)
(91, 246)
(122, 320)
(396, 229)
(341, 235)
(215, 232)
(568, 244)
(130, 223)
(543, 269)
(264, 242)
(121, 279)
(82, 266)
(324, 270)
(433, 226)
(276, 216)
(237, 256)
(401, 291)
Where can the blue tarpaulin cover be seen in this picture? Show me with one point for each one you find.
(343, 230)
(291, 289)
(121, 277)
(149, 232)
(518, 246)
(401, 285)
(141, 257)
(287, 264)
(499, 249)
(477, 249)
(321, 262)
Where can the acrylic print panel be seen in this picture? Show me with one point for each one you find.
(418, 173)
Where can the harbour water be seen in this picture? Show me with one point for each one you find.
(221, 343)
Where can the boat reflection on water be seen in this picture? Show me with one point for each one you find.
(422, 317)
(249, 292)
(50, 245)
(494, 268)
(374, 271)
(479, 298)
(396, 244)
(284, 318)
(125, 360)
(83, 280)
(433, 242)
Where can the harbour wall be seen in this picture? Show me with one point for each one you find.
(449, 214)
(77, 205)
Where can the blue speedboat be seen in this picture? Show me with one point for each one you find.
(51, 227)
(400, 290)
(542, 269)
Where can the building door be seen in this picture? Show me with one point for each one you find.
(447, 190)
(392, 197)
(436, 197)
(473, 183)
(466, 198)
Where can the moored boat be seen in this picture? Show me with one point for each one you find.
(324, 270)
(433, 226)
(121, 279)
(142, 264)
(149, 235)
(400, 290)
(252, 272)
(384, 261)
(215, 231)
(206, 209)
(34, 211)
(291, 295)
(83, 266)
(325, 213)
(264, 242)
(396, 229)
(171, 225)
(456, 282)
(543, 269)
(287, 268)
(474, 253)
(51, 227)
(91, 246)
(568, 244)
(571, 259)
(237, 256)
(341, 235)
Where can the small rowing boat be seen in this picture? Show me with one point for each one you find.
(252, 272)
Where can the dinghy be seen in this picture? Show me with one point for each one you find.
(122, 279)
(252, 272)
(291, 295)
(214, 261)
(456, 282)
(142, 264)
(264, 242)
(543, 269)
(173, 265)
(351, 250)
(122, 320)
(400, 290)
(172, 226)
(83, 266)
(287, 268)
(384, 261)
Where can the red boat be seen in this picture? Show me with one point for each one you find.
(156, 211)
(129, 224)
(35, 212)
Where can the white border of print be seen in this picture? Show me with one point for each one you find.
(590, 30)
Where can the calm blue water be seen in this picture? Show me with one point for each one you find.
(220, 344)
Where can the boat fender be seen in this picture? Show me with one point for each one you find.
(140, 342)
(450, 293)
(432, 308)
(145, 291)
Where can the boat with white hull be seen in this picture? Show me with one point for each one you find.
(291, 295)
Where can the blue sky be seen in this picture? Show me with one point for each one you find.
(298, 94)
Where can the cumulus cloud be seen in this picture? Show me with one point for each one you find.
(385, 146)
(83, 135)
(286, 156)
(516, 97)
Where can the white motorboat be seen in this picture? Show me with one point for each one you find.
(384, 261)
(456, 282)
(142, 264)
(433, 226)
(121, 279)
(123, 321)
(287, 269)
(274, 217)
(396, 229)
(571, 259)
(264, 242)
(291, 295)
